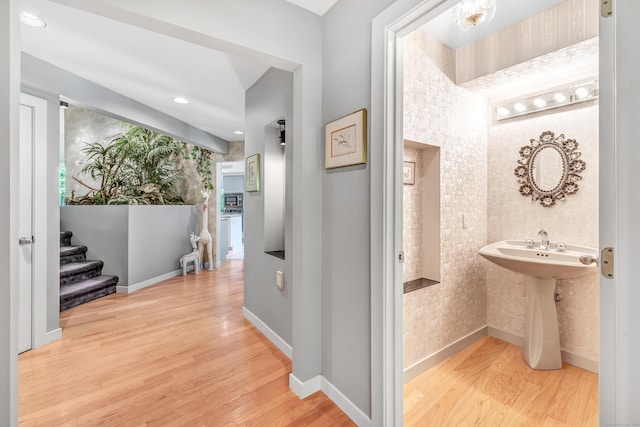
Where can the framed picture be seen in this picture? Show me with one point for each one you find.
(408, 173)
(252, 181)
(346, 140)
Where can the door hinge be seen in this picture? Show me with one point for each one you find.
(401, 256)
(606, 262)
(606, 8)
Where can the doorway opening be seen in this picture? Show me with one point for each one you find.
(452, 98)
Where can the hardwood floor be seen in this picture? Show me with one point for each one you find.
(490, 384)
(178, 353)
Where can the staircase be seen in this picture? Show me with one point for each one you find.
(80, 280)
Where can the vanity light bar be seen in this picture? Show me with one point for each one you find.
(568, 95)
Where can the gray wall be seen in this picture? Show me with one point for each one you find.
(346, 297)
(9, 125)
(269, 99)
(136, 243)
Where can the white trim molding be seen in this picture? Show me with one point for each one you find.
(304, 389)
(282, 345)
(320, 383)
(433, 359)
(122, 289)
(346, 405)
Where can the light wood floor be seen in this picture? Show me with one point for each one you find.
(490, 384)
(178, 353)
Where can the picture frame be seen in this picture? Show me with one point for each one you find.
(408, 173)
(346, 140)
(252, 171)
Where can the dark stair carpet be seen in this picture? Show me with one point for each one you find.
(81, 280)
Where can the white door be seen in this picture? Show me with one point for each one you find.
(25, 225)
(619, 207)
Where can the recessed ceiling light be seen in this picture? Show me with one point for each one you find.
(181, 100)
(539, 102)
(32, 20)
(239, 132)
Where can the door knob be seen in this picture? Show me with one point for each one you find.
(25, 241)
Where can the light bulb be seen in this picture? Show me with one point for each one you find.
(520, 107)
(502, 111)
(582, 93)
(539, 102)
(560, 97)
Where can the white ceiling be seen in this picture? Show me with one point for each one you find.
(319, 7)
(147, 66)
(508, 12)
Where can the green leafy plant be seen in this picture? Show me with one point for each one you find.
(137, 166)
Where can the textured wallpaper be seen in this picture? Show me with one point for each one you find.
(575, 220)
(478, 158)
(439, 113)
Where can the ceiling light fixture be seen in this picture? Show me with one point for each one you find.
(32, 20)
(238, 132)
(471, 13)
(181, 100)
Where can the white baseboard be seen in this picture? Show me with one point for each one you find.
(320, 383)
(306, 388)
(433, 359)
(505, 336)
(268, 332)
(47, 337)
(567, 357)
(54, 335)
(342, 402)
(146, 283)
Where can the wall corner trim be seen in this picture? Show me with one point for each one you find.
(282, 345)
(306, 388)
(124, 289)
(320, 383)
(50, 336)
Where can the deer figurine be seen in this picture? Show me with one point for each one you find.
(205, 239)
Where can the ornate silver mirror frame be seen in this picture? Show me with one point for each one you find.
(549, 169)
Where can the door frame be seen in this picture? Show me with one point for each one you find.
(399, 19)
(619, 154)
(40, 257)
(619, 341)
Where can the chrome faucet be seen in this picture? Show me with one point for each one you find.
(544, 243)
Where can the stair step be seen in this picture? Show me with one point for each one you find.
(86, 290)
(80, 270)
(70, 254)
(65, 238)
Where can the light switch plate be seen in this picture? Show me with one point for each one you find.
(280, 279)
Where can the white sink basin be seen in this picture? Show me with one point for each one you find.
(541, 347)
(547, 264)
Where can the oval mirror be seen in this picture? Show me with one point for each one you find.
(549, 168)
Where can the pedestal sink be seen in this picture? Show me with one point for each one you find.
(543, 266)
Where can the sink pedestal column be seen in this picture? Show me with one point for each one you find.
(541, 337)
